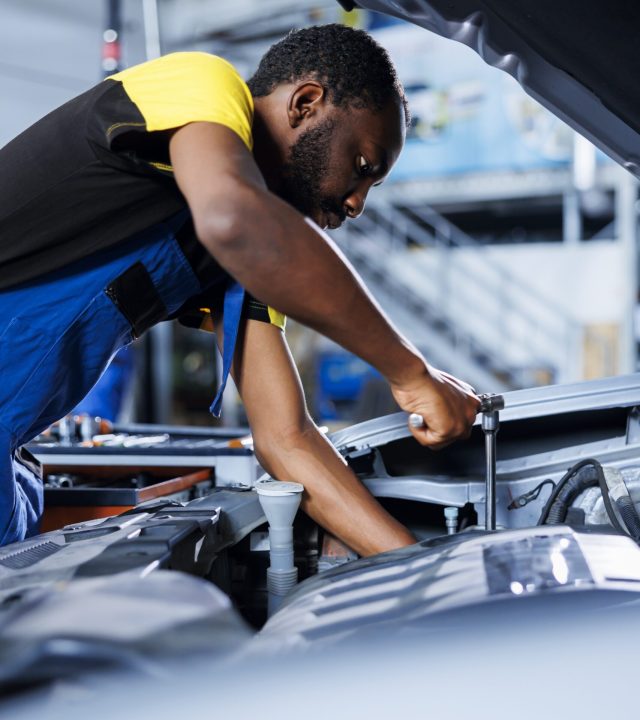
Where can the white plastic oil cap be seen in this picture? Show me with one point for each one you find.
(278, 487)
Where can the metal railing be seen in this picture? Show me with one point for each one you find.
(452, 283)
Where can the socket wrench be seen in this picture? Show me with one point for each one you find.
(490, 406)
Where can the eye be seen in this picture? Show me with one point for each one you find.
(364, 168)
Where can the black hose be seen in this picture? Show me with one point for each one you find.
(584, 478)
(543, 520)
(629, 516)
(572, 483)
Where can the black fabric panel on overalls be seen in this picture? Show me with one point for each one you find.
(135, 295)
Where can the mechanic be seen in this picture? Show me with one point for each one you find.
(164, 191)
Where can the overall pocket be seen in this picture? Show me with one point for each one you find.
(136, 297)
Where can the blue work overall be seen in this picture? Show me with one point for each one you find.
(59, 332)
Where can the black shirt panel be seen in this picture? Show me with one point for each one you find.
(65, 195)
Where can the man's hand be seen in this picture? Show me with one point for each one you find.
(447, 404)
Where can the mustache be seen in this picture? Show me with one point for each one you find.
(334, 208)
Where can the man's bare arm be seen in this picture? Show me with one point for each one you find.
(290, 446)
(291, 265)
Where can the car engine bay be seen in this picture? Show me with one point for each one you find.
(171, 576)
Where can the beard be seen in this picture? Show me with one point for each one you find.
(306, 170)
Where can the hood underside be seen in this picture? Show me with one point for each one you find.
(577, 58)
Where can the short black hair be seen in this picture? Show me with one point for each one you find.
(356, 70)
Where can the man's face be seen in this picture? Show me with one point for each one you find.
(335, 161)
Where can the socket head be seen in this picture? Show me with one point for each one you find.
(490, 402)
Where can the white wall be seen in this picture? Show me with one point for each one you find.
(50, 51)
(584, 279)
(531, 303)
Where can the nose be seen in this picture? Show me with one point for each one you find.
(355, 201)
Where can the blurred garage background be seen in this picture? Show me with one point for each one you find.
(503, 244)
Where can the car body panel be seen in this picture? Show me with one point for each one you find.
(576, 58)
(412, 586)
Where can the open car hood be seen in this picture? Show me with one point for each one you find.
(577, 58)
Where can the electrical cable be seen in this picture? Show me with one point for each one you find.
(556, 491)
(527, 497)
(629, 516)
(607, 500)
(556, 495)
(582, 480)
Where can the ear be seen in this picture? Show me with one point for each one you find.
(306, 100)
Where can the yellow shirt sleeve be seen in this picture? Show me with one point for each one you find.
(277, 318)
(185, 87)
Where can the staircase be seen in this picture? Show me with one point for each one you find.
(461, 308)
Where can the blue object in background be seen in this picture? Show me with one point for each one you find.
(341, 378)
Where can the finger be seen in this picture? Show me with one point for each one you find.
(429, 438)
(417, 423)
(460, 383)
(434, 441)
(420, 434)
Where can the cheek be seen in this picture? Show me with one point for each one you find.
(338, 170)
(329, 188)
(336, 181)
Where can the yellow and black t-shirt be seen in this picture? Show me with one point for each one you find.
(96, 170)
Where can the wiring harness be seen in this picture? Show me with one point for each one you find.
(583, 475)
